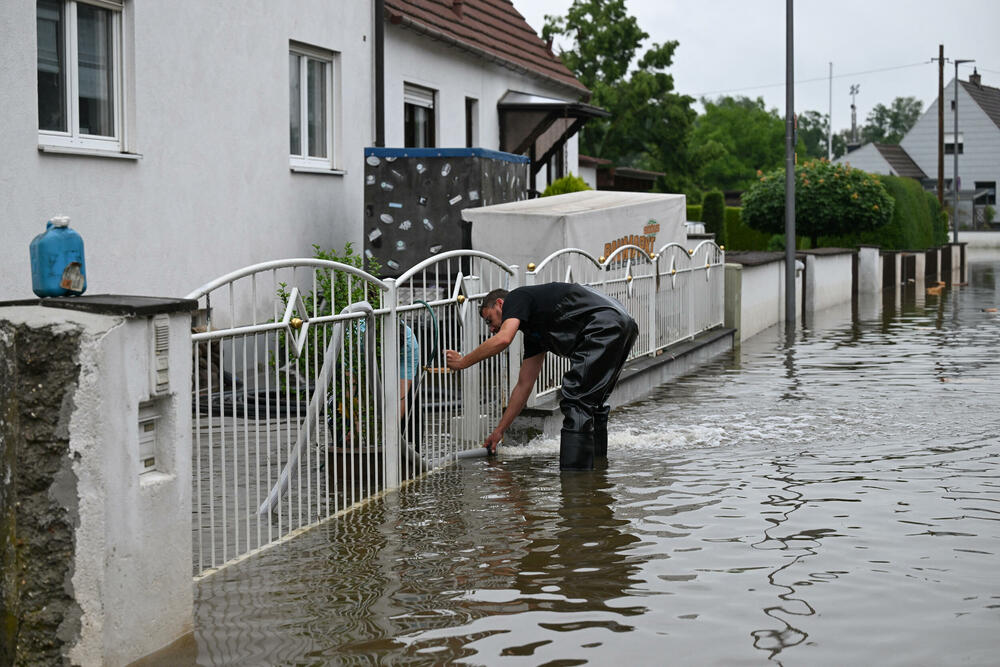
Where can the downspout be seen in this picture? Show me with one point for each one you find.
(379, 73)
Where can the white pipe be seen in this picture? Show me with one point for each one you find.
(319, 393)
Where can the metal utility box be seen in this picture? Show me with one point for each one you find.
(414, 198)
(597, 221)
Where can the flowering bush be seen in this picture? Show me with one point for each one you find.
(830, 200)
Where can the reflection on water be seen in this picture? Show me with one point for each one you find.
(832, 501)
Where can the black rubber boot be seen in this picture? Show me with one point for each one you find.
(576, 450)
(601, 431)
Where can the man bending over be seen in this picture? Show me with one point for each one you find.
(593, 330)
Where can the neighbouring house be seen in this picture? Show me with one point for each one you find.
(601, 174)
(473, 73)
(183, 141)
(977, 144)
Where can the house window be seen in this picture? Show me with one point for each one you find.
(418, 116)
(471, 122)
(949, 144)
(80, 96)
(310, 107)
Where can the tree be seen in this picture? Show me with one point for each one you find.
(650, 123)
(812, 131)
(888, 125)
(713, 214)
(733, 139)
(830, 200)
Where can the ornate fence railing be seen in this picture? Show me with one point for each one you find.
(317, 385)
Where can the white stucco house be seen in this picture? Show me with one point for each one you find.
(978, 146)
(463, 73)
(184, 140)
(188, 139)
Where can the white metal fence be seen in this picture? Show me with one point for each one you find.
(317, 385)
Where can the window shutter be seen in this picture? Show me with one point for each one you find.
(417, 96)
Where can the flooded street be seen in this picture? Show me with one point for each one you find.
(833, 502)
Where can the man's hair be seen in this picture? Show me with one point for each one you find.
(491, 299)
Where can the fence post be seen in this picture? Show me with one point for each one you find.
(652, 293)
(390, 384)
(515, 350)
(691, 295)
(530, 278)
(472, 376)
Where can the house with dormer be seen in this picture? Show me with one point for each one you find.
(977, 144)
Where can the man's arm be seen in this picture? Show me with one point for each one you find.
(530, 368)
(490, 347)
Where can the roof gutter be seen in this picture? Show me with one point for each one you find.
(379, 73)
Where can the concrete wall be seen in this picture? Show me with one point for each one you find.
(455, 75)
(762, 296)
(112, 582)
(828, 280)
(213, 190)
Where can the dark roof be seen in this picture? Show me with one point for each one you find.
(588, 161)
(987, 97)
(491, 29)
(900, 161)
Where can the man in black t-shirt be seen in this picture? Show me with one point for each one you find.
(593, 330)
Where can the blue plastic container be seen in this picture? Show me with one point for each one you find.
(57, 266)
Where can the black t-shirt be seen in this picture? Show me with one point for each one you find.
(552, 314)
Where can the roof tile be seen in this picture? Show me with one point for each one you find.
(492, 28)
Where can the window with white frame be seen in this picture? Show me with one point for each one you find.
(311, 75)
(80, 80)
(418, 116)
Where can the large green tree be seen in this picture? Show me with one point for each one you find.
(812, 134)
(888, 125)
(650, 122)
(733, 139)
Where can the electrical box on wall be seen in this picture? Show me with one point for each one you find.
(149, 421)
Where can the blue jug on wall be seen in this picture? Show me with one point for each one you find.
(57, 266)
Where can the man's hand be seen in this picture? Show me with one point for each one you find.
(454, 360)
(492, 440)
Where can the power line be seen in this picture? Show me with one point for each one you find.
(838, 76)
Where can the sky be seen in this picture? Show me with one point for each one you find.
(737, 47)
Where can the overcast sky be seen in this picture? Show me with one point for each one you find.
(737, 47)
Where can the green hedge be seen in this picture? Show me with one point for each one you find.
(564, 185)
(694, 212)
(917, 221)
(741, 237)
(713, 214)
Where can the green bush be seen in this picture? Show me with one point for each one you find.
(713, 214)
(917, 220)
(694, 212)
(564, 185)
(830, 200)
(741, 237)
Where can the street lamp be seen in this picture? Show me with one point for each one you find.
(954, 150)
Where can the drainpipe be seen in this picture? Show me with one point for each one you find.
(379, 73)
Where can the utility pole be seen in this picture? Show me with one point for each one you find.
(854, 114)
(954, 150)
(789, 174)
(829, 121)
(940, 175)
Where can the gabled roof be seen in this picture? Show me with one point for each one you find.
(900, 161)
(987, 97)
(491, 29)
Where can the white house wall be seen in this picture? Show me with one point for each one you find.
(456, 74)
(213, 190)
(980, 159)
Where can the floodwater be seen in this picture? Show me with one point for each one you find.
(831, 502)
